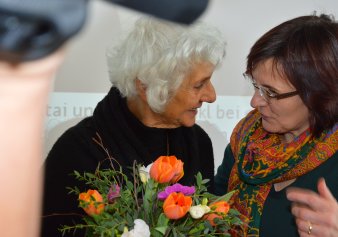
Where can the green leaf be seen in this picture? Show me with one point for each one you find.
(162, 220)
(226, 197)
(197, 229)
(162, 229)
(199, 179)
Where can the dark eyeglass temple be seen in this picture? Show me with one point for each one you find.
(286, 95)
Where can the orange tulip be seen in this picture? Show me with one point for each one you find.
(91, 197)
(176, 205)
(222, 207)
(167, 169)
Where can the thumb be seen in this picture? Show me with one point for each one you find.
(323, 190)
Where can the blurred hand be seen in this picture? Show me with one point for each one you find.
(316, 214)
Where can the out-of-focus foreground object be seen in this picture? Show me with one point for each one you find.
(32, 29)
(24, 90)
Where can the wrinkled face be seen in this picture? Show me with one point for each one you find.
(195, 89)
(287, 116)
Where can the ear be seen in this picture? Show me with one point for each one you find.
(141, 90)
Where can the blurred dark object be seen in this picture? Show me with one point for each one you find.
(32, 29)
(180, 11)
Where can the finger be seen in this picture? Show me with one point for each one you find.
(306, 197)
(306, 228)
(303, 212)
(324, 191)
(297, 194)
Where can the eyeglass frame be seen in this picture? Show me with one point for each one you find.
(266, 93)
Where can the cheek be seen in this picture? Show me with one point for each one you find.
(291, 113)
(183, 102)
(175, 109)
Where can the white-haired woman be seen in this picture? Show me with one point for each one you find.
(160, 76)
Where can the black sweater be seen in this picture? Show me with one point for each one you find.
(126, 140)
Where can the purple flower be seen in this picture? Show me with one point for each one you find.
(113, 193)
(186, 190)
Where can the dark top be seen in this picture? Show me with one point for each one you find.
(126, 139)
(277, 220)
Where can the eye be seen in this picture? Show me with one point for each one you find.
(254, 84)
(270, 92)
(199, 85)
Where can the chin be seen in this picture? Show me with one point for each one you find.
(188, 123)
(268, 127)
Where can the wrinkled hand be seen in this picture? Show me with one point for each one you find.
(316, 213)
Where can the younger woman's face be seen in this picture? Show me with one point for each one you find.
(287, 116)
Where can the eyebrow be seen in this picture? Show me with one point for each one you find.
(203, 80)
(268, 87)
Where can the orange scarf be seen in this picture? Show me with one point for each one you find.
(261, 160)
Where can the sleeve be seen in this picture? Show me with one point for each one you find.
(71, 152)
(223, 172)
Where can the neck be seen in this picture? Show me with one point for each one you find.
(145, 114)
(290, 136)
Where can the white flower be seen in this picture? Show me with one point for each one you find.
(141, 229)
(144, 173)
(198, 211)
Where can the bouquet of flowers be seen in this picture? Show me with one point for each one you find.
(153, 203)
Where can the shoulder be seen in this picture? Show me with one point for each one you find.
(73, 143)
(200, 132)
(327, 170)
(77, 133)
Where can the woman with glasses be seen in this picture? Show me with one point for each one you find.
(282, 158)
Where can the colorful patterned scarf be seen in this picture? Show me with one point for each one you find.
(262, 160)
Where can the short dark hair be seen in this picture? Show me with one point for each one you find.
(305, 50)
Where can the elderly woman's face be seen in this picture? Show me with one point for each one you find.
(195, 89)
(287, 116)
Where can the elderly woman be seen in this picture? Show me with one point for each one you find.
(290, 138)
(161, 75)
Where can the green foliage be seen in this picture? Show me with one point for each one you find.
(139, 200)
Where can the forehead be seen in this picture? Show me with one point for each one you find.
(268, 68)
(200, 71)
(270, 72)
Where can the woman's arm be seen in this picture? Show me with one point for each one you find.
(223, 172)
(24, 90)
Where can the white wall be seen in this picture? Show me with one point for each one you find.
(83, 78)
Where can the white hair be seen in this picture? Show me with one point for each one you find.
(160, 54)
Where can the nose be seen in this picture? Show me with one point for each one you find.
(257, 100)
(209, 94)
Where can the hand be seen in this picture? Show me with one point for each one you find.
(316, 213)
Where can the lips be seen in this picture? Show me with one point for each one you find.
(194, 111)
(264, 116)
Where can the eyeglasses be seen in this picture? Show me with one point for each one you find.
(266, 93)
